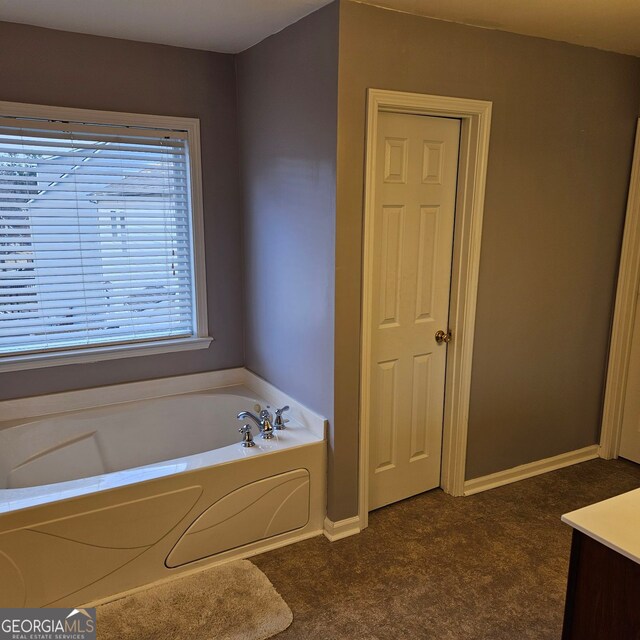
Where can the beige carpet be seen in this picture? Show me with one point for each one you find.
(492, 566)
(234, 601)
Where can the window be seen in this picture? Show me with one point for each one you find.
(100, 235)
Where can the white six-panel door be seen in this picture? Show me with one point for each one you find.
(415, 193)
(630, 438)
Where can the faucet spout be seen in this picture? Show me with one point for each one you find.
(243, 415)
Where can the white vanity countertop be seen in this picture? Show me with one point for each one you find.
(614, 522)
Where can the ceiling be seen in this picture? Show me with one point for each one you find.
(217, 25)
(234, 25)
(613, 25)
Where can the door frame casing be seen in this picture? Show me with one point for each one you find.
(475, 116)
(623, 318)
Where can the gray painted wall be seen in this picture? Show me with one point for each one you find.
(74, 70)
(287, 106)
(561, 147)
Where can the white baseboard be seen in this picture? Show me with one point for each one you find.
(529, 470)
(341, 529)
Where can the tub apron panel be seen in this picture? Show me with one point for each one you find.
(256, 511)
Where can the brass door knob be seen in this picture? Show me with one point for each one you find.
(443, 337)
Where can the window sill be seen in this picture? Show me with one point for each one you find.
(97, 354)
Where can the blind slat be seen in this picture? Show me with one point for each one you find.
(79, 305)
(27, 178)
(138, 320)
(149, 270)
(101, 192)
(97, 321)
(27, 262)
(133, 217)
(85, 204)
(88, 245)
(84, 131)
(16, 144)
(94, 165)
(100, 340)
(95, 336)
(99, 156)
(47, 193)
(90, 228)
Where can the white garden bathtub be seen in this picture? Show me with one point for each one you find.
(98, 500)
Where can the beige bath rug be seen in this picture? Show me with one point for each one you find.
(234, 601)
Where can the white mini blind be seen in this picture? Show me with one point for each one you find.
(96, 242)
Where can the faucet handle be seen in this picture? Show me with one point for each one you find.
(247, 438)
(279, 422)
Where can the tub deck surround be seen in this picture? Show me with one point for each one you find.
(107, 499)
(70, 401)
(55, 458)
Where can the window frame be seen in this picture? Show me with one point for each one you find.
(201, 338)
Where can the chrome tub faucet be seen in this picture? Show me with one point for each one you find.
(264, 422)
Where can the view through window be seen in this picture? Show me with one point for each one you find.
(95, 236)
